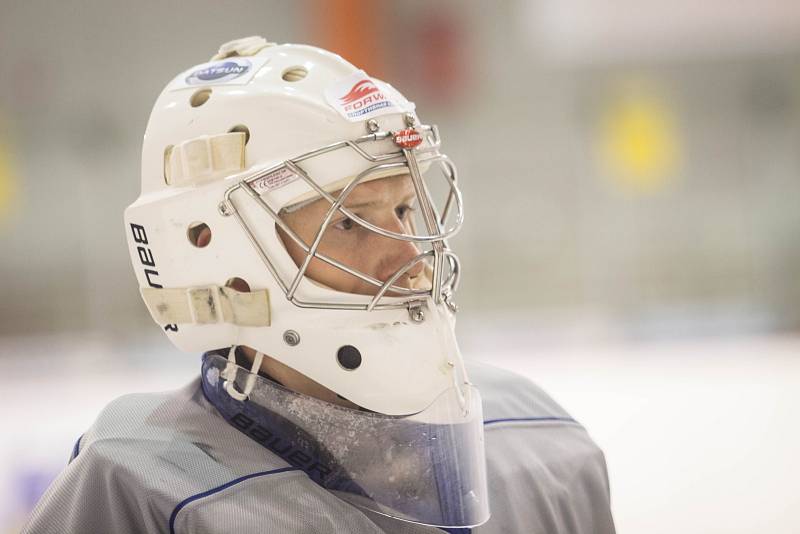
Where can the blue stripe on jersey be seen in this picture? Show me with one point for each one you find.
(514, 419)
(225, 486)
(76, 449)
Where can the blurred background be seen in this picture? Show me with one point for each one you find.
(632, 183)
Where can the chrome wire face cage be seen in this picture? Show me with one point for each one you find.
(440, 224)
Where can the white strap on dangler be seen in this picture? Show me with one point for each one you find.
(229, 374)
(205, 158)
(462, 386)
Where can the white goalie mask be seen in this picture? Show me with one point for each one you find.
(237, 147)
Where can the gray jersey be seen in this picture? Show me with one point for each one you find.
(168, 462)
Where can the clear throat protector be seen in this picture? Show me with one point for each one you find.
(427, 468)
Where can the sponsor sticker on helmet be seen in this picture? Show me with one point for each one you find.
(275, 179)
(408, 138)
(229, 71)
(357, 97)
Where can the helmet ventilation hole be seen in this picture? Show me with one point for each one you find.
(239, 284)
(241, 128)
(294, 74)
(200, 97)
(199, 234)
(349, 357)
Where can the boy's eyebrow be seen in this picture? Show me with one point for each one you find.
(362, 204)
(370, 203)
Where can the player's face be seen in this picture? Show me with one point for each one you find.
(388, 203)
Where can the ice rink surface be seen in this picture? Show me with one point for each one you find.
(700, 436)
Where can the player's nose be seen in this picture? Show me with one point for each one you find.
(396, 255)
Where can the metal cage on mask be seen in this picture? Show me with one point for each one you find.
(409, 158)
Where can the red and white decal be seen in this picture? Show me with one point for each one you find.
(408, 138)
(359, 90)
(357, 97)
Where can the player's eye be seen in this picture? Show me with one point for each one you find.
(403, 211)
(345, 224)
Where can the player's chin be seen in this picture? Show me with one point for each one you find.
(416, 283)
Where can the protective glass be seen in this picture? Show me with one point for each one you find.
(415, 207)
(426, 468)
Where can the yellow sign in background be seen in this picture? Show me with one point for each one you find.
(7, 178)
(638, 139)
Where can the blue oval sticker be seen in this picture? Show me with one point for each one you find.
(222, 71)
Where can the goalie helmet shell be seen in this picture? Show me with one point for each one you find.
(238, 120)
